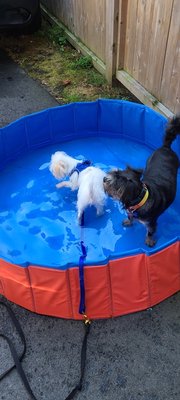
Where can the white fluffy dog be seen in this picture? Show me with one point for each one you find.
(82, 176)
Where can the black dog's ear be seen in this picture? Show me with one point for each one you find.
(137, 171)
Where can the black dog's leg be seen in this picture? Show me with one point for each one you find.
(151, 229)
(129, 221)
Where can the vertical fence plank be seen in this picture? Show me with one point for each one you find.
(144, 26)
(85, 19)
(130, 35)
(121, 41)
(170, 85)
(111, 37)
(157, 44)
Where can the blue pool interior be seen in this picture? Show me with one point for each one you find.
(38, 222)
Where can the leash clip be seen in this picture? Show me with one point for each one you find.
(87, 321)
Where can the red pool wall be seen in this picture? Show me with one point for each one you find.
(123, 286)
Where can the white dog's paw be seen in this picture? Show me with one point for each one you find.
(80, 218)
(59, 185)
(100, 211)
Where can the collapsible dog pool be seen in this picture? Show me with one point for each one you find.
(40, 240)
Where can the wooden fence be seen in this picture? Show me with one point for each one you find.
(137, 41)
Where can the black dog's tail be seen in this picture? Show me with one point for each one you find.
(172, 130)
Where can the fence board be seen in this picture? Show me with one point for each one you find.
(151, 52)
(146, 38)
(130, 35)
(170, 86)
(157, 44)
(111, 37)
(122, 31)
(85, 19)
(142, 40)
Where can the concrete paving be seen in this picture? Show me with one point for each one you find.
(19, 94)
(134, 357)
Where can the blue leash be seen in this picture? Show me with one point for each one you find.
(82, 306)
(82, 309)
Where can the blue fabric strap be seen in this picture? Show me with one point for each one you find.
(80, 167)
(82, 306)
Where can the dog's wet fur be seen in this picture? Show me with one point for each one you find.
(88, 181)
(160, 178)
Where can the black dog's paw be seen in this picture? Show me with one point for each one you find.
(127, 223)
(150, 242)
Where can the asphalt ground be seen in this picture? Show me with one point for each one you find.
(19, 94)
(134, 357)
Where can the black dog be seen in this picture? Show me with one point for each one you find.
(147, 198)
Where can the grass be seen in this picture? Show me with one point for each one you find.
(83, 62)
(47, 57)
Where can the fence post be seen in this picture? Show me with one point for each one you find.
(123, 7)
(112, 10)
